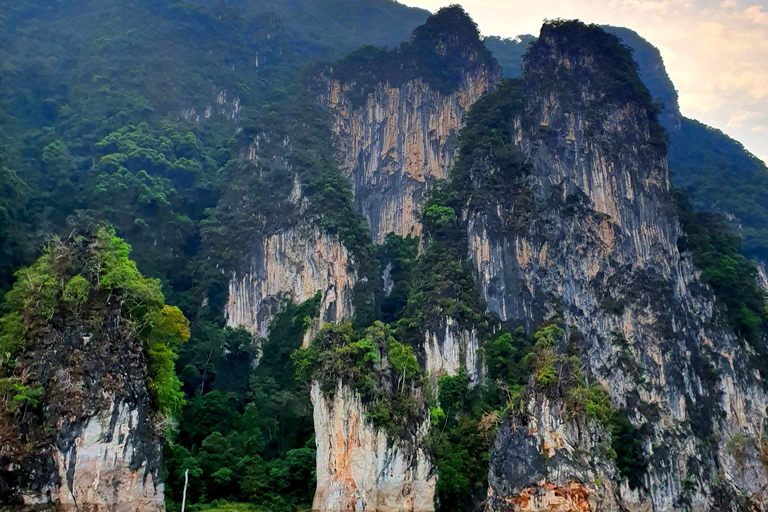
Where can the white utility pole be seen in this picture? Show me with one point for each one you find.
(184, 495)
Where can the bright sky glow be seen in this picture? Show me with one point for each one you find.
(715, 51)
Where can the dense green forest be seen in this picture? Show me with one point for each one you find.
(136, 114)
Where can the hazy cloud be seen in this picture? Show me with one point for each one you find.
(716, 52)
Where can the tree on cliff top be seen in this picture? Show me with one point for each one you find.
(78, 279)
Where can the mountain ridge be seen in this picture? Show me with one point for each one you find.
(412, 285)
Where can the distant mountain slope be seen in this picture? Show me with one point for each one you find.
(509, 52)
(75, 72)
(331, 28)
(173, 53)
(653, 74)
(716, 171)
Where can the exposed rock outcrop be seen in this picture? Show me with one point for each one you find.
(104, 452)
(394, 143)
(539, 441)
(603, 232)
(762, 277)
(292, 264)
(398, 143)
(359, 468)
(449, 350)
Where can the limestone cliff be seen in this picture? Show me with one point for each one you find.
(103, 451)
(395, 115)
(291, 264)
(450, 349)
(602, 230)
(398, 143)
(359, 468)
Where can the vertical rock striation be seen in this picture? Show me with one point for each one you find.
(359, 468)
(600, 246)
(394, 141)
(451, 348)
(395, 145)
(292, 264)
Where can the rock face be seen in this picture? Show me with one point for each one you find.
(548, 440)
(395, 145)
(600, 246)
(359, 468)
(449, 350)
(105, 454)
(96, 465)
(762, 278)
(292, 264)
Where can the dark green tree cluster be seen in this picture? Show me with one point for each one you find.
(14, 244)
(717, 174)
(246, 432)
(439, 52)
(717, 250)
(381, 370)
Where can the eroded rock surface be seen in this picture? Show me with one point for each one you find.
(398, 143)
(601, 247)
(359, 468)
(450, 349)
(103, 449)
(293, 264)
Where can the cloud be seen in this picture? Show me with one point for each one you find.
(754, 14)
(741, 116)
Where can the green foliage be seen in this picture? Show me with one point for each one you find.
(627, 444)
(489, 170)
(652, 73)
(612, 70)
(505, 357)
(439, 51)
(383, 371)
(76, 291)
(169, 330)
(546, 362)
(17, 397)
(400, 255)
(247, 432)
(716, 250)
(95, 268)
(402, 359)
(717, 173)
(462, 430)
(14, 245)
(438, 217)
(509, 52)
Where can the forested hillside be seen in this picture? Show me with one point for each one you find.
(94, 93)
(217, 140)
(136, 113)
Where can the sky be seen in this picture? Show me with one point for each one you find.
(715, 51)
